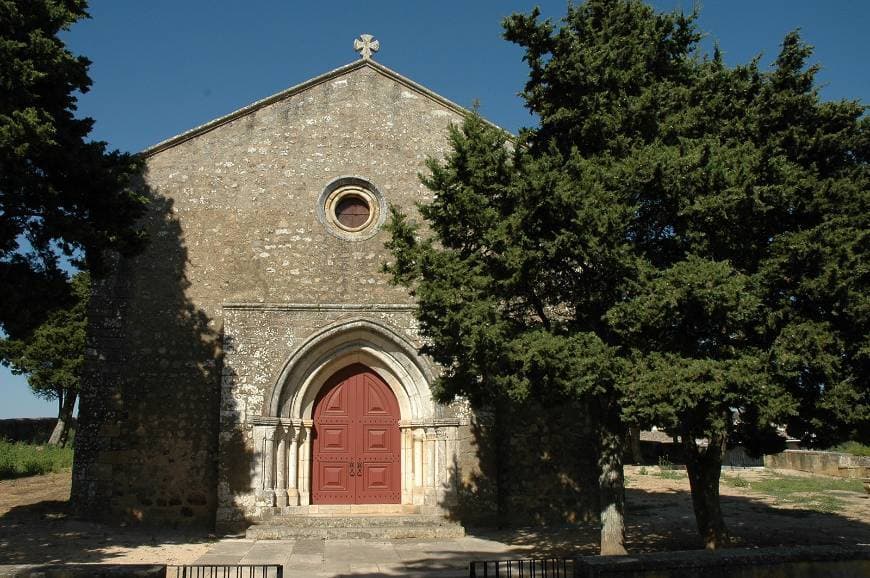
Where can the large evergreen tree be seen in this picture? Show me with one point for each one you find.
(676, 243)
(502, 321)
(533, 247)
(60, 194)
(753, 306)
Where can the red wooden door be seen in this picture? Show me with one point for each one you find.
(356, 446)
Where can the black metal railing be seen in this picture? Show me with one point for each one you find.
(226, 571)
(525, 568)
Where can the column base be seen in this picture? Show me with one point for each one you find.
(293, 497)
(418, 496)
(266, 498)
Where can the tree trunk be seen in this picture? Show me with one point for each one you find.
(64, 419)
(611, 483)
(704, 466)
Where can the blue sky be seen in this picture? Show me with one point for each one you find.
(163, 66)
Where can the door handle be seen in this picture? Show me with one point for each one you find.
(351, 470)
(359, 468)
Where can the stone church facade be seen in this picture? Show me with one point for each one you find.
(254, 361)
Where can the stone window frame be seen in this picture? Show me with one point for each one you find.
(342, 187)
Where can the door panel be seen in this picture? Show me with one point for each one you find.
(332, 475)
(356, 447)
(376, 439)
(334, 438)
(373, 398)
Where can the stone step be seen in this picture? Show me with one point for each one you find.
(359, 526)
(343, 509)
(354, 521)
(421, 531)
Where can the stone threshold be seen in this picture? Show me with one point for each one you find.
(326, 510)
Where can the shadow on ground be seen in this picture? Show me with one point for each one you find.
(663, 520)
(45, 533)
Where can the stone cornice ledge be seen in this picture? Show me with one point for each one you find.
(319, 307)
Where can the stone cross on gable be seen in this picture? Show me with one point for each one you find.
(366, 45)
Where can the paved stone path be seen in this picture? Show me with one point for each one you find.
(443, 559)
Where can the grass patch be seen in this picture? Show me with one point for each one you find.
(669, 475)
(736, 481)
(19, 459)
(807, 492)
(854, 448)
(667, 470)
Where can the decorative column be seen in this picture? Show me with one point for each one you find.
(418, 491)
(454, 482)
(418, 457)
(281, 468)
(441, 464)
(292, 478)
(257, 460)
(430, 458)
(269, 467)
(305, 463)
(407, 443)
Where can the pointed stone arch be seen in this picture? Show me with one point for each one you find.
(279, 433)
(343, 343)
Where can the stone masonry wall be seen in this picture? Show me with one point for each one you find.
(532, 465)
(234, 220)
(262, 340)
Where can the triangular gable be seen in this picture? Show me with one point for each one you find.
(253, 107)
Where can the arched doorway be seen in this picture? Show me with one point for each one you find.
(356, 450)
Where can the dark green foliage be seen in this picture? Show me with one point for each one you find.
(754, 297)
(52, 355)
(533, 241)
(493, 295)
(489, 308)
(59, 192)
(851, 447)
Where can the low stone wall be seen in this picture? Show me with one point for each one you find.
(815, 462)
(791, 562)
(24, 429)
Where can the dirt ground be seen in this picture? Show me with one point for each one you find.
(36, 528)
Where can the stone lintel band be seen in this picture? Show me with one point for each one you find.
(373, 307)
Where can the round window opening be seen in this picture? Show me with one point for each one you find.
(351, 208)
(352, 212)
